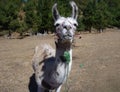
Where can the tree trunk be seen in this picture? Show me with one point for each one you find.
(100, 30)
(90, 31)
(9, 34)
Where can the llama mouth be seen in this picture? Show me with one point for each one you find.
(67, 37)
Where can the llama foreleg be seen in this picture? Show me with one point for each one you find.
(58, 89)
(40, 89)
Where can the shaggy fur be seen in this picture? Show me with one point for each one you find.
(50, 66)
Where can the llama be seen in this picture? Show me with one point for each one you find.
(51, 66)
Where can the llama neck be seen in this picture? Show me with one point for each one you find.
(61, 48)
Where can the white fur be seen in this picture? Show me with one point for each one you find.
(47, 62)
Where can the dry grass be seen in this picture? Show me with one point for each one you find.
(96, 63)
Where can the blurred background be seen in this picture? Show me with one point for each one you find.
(35, 16)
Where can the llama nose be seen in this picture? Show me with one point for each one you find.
(67, 27)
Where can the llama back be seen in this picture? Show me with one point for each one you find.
(41, 53)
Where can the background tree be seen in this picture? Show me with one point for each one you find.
(114, 9)
(88, 15)
(97, 15)
(101, 15)
(32, 19)
(8, 14)
(36, 15)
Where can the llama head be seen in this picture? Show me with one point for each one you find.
(65, 27)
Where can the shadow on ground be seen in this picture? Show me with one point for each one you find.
(32, 84)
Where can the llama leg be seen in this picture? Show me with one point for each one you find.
(58, 89)
(40, 89)
(43, 90)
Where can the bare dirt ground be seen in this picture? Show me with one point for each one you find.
(96, 63)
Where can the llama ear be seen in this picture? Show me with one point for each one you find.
(55, 12)
(74, 10)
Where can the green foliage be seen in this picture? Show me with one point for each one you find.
(22, 28)
(114, 8)
(101, 15)
(8, 14)
(37, 14)
(117, 18)
(97, 15)
(14, 24)
(32, 19)
(82, 25)
(88, 15)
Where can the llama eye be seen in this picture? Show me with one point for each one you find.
(75, 25)
(57, 25)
